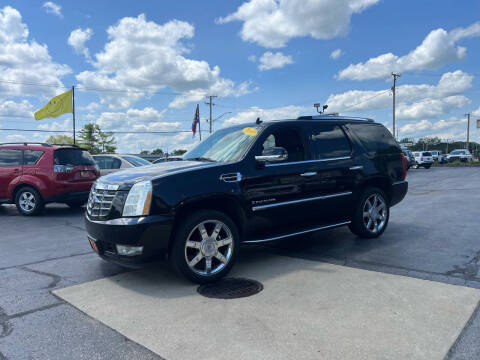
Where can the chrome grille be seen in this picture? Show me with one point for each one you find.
(100, 200)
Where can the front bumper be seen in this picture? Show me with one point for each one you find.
(151, 232)
(399, 190)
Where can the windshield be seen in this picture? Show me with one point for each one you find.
(73, 157)
(136, 161)
(427, 154)
(226, 145)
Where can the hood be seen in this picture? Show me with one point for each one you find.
(133, 175)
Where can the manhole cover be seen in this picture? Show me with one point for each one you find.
(230, 288)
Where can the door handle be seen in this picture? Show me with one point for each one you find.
(358, 167)
(310, 173)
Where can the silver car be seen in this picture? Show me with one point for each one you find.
(109, 163)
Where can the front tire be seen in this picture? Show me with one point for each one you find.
(28, 201)
(372, 213)
(205, 246)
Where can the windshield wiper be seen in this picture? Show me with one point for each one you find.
(200, 158)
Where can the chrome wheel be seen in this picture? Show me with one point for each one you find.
(27, 201)
(209, 247)
(375, 213)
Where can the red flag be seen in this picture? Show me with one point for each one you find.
(196, 119)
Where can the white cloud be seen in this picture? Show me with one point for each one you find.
(269, 61)
(413, 101)
(451, 128)
(476, 112)
(335, 54)
(12, 108)
(147, 119)
(93, 106)
(272, 23)
(77, 40)
(52, 8)
(24, 61)
(16, 138)
(66, 125)
(252, 58)
(143, 57)
(250, 115)
(437, 49)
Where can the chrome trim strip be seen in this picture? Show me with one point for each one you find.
(267, 206)
(227, 176)
(357, 167)
(297, 233)
(104, 186)
(399, 182)
(309, 161)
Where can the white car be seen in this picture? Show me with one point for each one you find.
(460, 155)
(423, 159)
(109, 163)
(436, 154)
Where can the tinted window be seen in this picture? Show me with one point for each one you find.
(136, 161)
(290, 138)
(10, 157)
(328, 141)
(111, 163)
(427, 153)
(72, 157)
(31, 157)
(375, 137)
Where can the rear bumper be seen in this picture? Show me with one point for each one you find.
(399, 190)
(151, 232)
(70, 196)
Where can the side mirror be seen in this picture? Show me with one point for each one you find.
(272, 155)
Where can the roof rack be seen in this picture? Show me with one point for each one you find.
(25, 143)
(333, 116)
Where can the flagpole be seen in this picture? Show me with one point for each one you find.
(199, 129)
(73, 112)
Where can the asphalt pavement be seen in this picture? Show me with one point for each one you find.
(432, 235)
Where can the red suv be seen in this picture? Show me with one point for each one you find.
(34, 174)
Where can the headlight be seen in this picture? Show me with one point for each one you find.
(138, 200)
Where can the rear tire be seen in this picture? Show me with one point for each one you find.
(371, 215)
(205, 246)
(427, 166)
(29, 202)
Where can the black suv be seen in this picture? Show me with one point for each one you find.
(248, 184)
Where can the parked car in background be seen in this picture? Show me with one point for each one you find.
(436, 154)
(249, 183)
(34, 174)
(409, 158)
(169, 158)
(442, 158)
(459, 155)
(109, 163)
(423, 159)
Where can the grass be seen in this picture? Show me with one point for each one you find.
(458, 164)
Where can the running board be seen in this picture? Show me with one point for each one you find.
(297, 233)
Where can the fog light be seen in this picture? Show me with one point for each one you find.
(129, 250)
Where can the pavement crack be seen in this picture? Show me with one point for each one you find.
(55, 278)
(469, 270)
(6, 327)
(46, 260)
(41, 308)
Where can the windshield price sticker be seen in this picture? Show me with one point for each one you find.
(250, 131)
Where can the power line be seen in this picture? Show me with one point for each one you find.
(364, 101)
(112, 132)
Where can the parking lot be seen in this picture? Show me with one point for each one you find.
(432, 240)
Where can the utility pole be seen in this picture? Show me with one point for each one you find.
(395, 76)
(210, 103)
(468, 131)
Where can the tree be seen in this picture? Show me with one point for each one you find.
(179, 152)
(106, 141)
(90, 138)
(96, 141)
(157, 152)
(144, 152)
(59, 139)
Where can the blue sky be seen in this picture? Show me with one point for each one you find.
(267, 58)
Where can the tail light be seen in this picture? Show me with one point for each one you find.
(404, 166)
(421, 158)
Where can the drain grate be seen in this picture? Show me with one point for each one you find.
(230, 288)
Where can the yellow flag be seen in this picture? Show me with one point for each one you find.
(59, 105)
